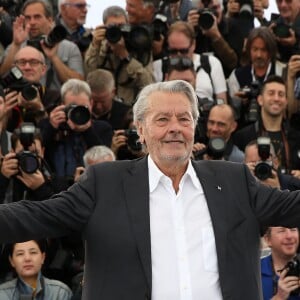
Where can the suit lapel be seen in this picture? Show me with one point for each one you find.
(136, 187)
(215, 193)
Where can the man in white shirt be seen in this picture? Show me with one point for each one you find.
(162, 227)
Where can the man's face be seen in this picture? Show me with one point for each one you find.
(283, 241)
(27, 259)
(35, 147)
(180, 45)
(168, 128)
(81, 99)
(288, 9)
(39, 24)
(259, 54)
(30, 61)
(74, 12)
(273, 101)
(102, 101)
(220, 123)
(138, 13)
(186, 75)
(115, 20)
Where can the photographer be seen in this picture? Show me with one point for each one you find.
(210, 79)
(277, 284)
(215, 34)
(72, 15)
(286, 28)
(132, 68)
(261, 54)
(263, 163)
(69, 129)
(25, 167)
(271, 121)
(106, 104)
(63, 57)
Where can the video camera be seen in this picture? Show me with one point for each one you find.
(14, 81)
(251, 93)
(263, 168)
(28, 161)
(215, 149)
(78, 114)
(56, 35)
(133, 140)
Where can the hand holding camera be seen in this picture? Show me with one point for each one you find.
(32, 181)
(287, 284)
(57, 116)
(10, 165)
(294, 66)
(98, 36)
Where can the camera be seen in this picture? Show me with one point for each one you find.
(215, 149)
(281, 29)
(293, 267)
(133, 141)
(28, 161)
(160, 20)
(135, 36)
(206, 15)
(78, 114)
(251, 93)
(14, 81)
(57, 34)
(263, 168)
(246, 8)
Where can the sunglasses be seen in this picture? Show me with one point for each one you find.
(180, 63)
(182, 51)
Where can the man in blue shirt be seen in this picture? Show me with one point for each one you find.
(276, 284)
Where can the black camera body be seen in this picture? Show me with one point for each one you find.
(206, 18)
(215, 149)
(14, 81)
(281, 29)
(263, 168)
(136, 36)
(293, 267)
(57, 34)
(78, 114)
(246, 8)
(28, 161)
(133, 139)
(251, 93)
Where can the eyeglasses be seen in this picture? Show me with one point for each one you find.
(182, 51)
(78, 5)
(31, 62)
(180, 63)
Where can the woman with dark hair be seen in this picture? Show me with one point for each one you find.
(27, 259)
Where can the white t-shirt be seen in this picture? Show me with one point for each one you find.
(204, 87)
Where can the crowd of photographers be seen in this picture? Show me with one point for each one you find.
(66, 96)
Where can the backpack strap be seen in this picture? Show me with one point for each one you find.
(205, 65)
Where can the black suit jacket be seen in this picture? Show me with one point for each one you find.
(110, 205)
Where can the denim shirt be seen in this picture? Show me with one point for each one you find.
(46, 289)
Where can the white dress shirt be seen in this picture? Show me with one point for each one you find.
(183, 250)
